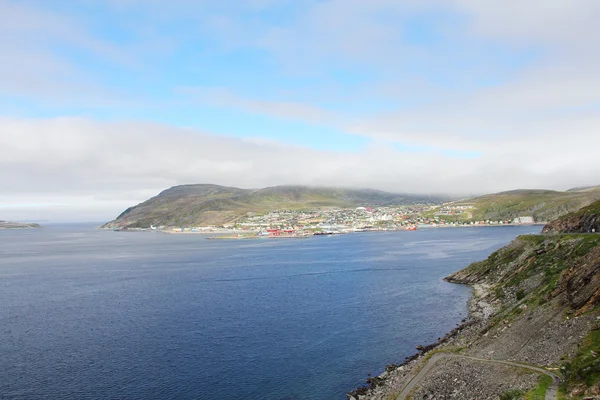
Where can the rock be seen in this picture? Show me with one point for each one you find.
(586, 220)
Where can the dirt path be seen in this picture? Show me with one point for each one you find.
(550, 393)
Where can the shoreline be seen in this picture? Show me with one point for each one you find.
(520, 325)
(223, 231)
(477, 311)
(255, 237)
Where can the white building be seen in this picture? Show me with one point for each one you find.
(523, 220)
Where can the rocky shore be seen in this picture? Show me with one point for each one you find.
(535, 303)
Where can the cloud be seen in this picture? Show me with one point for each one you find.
(293, 110)
(106, 166)
(456, 96)
(436, 94)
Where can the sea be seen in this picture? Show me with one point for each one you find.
(96, 314)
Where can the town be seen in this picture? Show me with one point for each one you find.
(301, 223)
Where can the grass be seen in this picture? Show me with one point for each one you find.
(584, 368)
(530, 268)
(199, 205)
(512, 394)
(543, 205)
(539, 392)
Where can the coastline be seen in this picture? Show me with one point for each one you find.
(225, 231)
(478, 311)
(534, 312)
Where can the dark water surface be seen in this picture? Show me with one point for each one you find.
(106, 315)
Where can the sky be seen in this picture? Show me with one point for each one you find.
(104, 104)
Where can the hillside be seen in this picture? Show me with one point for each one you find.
(542, 205)
(545, 291)
(585, 220)
(533, 331)
(202, 205)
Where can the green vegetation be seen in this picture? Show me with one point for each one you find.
(585, 220)
(202, 205)
(584, 368)
(540, 257)
(559, 273)
(543, 205)
(593, 208)
(512, 394)
(531, 272)
(539, 392)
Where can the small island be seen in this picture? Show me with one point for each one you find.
(17, 225)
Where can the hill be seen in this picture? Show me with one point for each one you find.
(203, 205)
(542, 205)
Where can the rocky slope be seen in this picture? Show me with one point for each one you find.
(202, 205)
(586, 220)
(17, 225)
(536, 303)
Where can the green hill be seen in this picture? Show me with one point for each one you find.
(542, 205)
(203, 205)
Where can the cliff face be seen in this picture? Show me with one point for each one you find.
(564, 267)
(586, 220)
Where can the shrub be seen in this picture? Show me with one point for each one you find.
(512, 394)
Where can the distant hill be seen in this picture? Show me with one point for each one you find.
(581, 188)
(543, 205)
(17, 225)
(204, 204)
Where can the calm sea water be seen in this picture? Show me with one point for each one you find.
(94, 314)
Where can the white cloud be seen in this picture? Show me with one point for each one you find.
(67, 161)
(534, 124)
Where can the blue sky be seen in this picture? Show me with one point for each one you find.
(472, 96)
